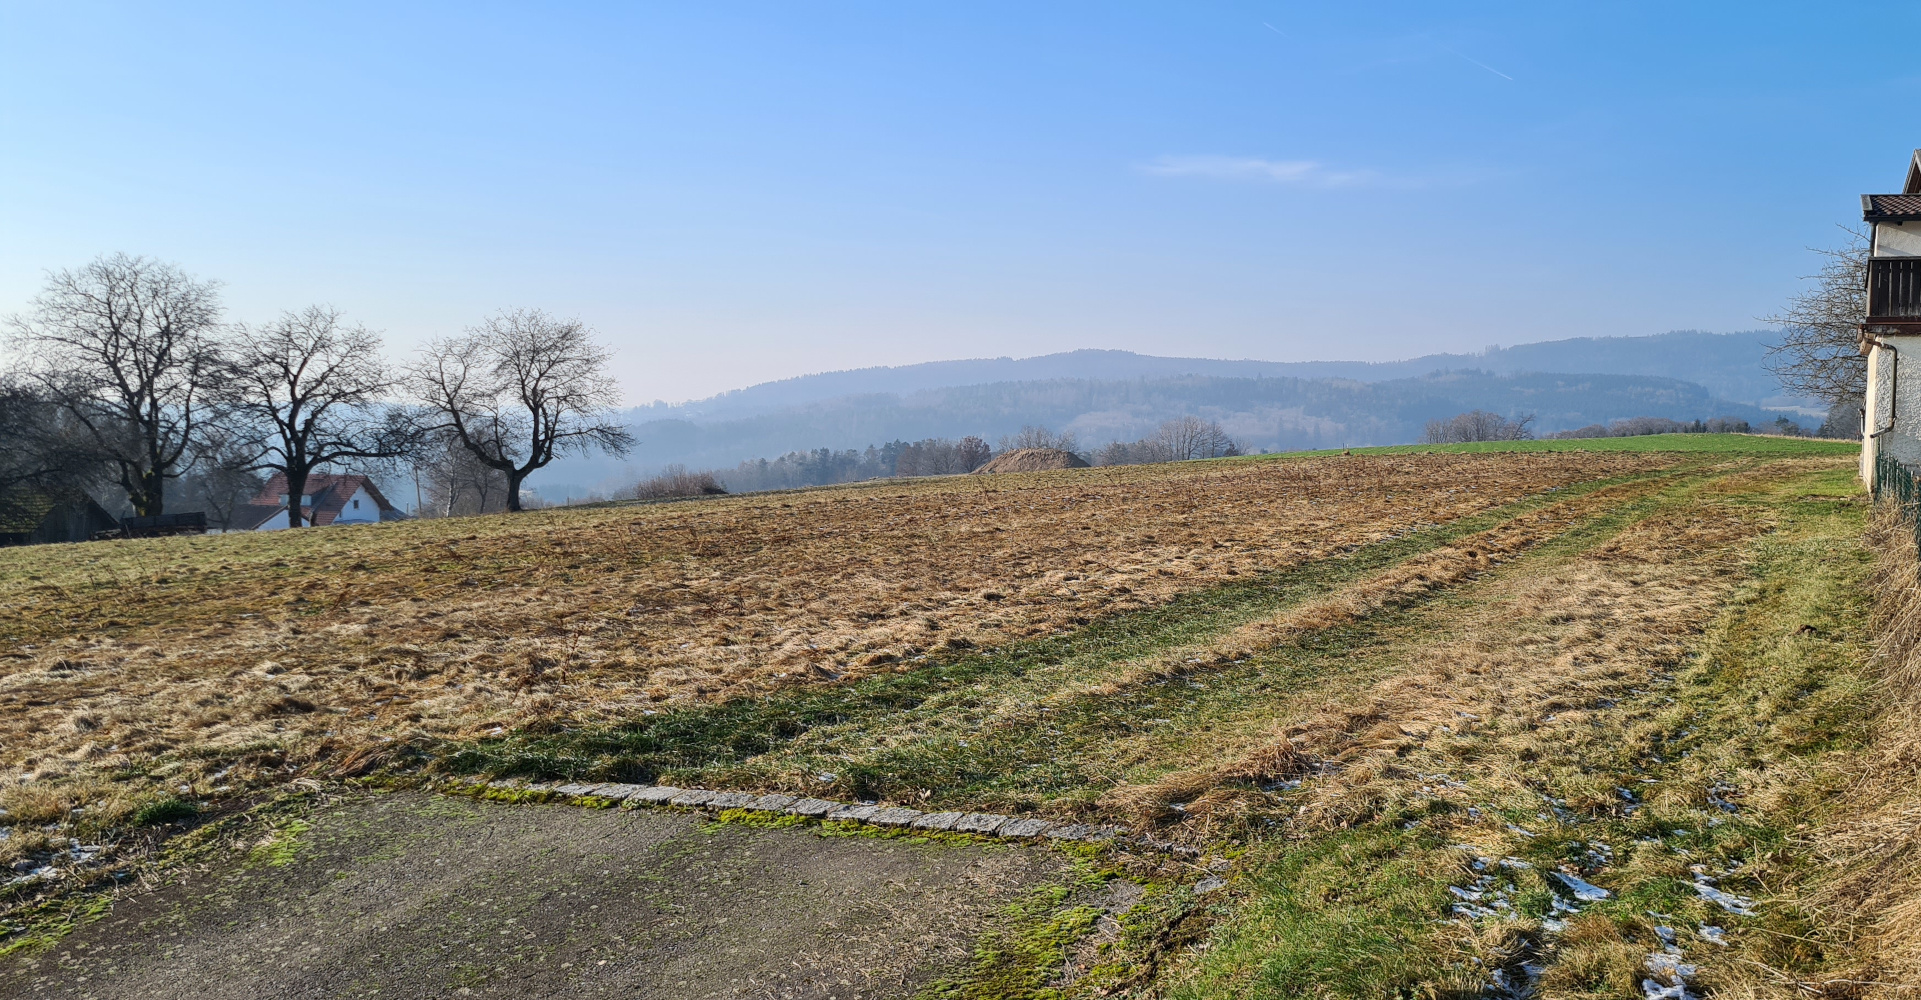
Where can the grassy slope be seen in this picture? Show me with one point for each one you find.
(1351, 911)
(1725, 444)
(1764, 709)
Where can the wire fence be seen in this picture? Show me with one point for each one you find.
(1894, 483)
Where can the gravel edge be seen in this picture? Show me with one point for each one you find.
(708, 800)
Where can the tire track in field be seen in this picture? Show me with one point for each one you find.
(790, 729)
(1604, 732)
(1046, 734)
(1581, 629)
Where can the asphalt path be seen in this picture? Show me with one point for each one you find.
(414, 895)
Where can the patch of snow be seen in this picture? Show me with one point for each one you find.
(1669, 975)
(1583, 890)
(1740, 906)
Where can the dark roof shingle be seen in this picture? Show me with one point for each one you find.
(1883, 206)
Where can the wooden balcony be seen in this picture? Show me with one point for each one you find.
(1894, 289)
(1894, 299)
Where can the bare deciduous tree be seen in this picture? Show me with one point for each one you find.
(1037, 437)
(1178, 440)
(316, 391)
(452, 482)
(1477, 425)
(941, 457)
(223, 476)
(1189, 437)
(122, 345)
(1146, 451)
(37, 441)
(973, 453)
(1819, 354)
(520, 390)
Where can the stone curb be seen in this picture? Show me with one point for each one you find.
(826, 810)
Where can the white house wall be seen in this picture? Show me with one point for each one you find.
(1897, 239)
(368, 511)
(1893, 425)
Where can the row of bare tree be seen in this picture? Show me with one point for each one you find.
(1178, 440)
(1477, 425)
(941, 457)
(1642, 426)
(124, 372)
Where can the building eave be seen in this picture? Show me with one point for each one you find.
(1871, 214)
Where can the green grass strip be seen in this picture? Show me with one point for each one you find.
(1771, 698)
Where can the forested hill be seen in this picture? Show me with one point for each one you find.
(1729, 365)
(1282, 413)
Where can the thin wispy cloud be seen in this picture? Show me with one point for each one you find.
(1315, 174)
(1301, 173)
(1483, 65)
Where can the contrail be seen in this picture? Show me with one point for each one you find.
(1275, 30)
(1484, 66)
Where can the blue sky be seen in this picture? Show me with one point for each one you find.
(737, 192)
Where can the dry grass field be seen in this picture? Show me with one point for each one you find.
(1392, 701)
(325, 643)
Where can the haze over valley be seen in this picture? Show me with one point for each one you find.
(1102, 396)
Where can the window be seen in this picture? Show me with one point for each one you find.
(356, 505)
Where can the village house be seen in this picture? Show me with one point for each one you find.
(1892, 425)
(37, 515)
(328, 500)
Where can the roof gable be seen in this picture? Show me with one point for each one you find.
(330, 494)
(1913, 186)
(249, 516)
(23, 507)
(26, 509)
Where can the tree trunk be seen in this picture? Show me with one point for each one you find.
(514, 477)
(296, 487)
(152, 496)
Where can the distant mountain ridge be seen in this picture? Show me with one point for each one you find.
(1262, 411)
(1728, 365)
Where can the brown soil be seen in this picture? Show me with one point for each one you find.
(407, 895)
(1032, 460)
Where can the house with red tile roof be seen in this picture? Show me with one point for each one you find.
(328, 500)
